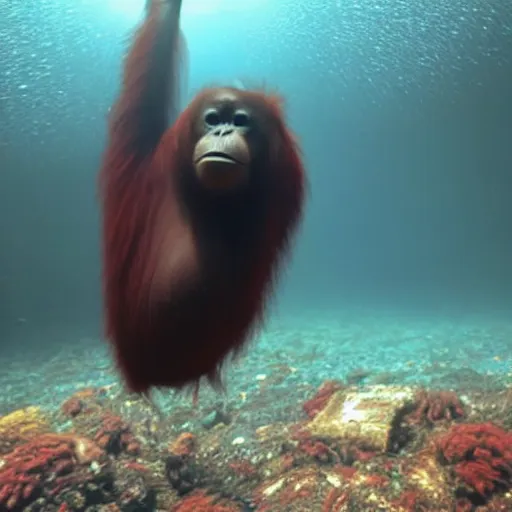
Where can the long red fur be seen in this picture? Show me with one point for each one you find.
(179, 299)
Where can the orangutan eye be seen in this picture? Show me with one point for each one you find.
(241, 119)
(212, 117)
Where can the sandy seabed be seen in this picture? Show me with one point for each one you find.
(437, 389)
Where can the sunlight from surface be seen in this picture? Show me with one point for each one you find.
(128, 7)
(134, 8)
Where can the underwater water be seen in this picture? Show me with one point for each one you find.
(381, 380)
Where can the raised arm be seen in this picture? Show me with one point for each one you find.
(149, 87)
(129, 188)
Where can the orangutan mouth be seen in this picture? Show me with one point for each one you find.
(219, 157)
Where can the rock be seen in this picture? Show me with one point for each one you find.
(21, 426)
(366, 417)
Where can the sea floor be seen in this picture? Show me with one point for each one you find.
(327, 411)
(362, 348)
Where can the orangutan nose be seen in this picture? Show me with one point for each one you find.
(223, 131)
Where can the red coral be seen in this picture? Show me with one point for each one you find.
(463, 505)
(185, 445)
(378, 481)
(115, 436)
(481, 455)
(434, 406)
(408, 500)
(243, 469)
(137, 466)
(345, 472)
(335, 501)
(47, 461)
(318, 450)
(72, 407)
(321, 450)
(313, 406)
(201, 502)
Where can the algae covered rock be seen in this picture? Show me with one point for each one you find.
(20, 426)
(369, 417)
